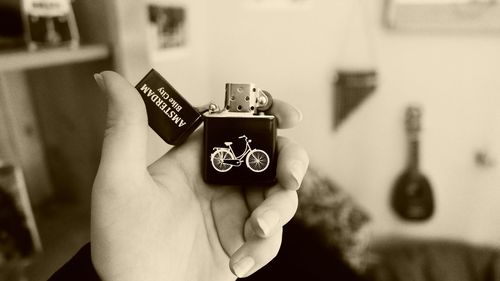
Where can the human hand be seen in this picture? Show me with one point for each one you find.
(163, 222)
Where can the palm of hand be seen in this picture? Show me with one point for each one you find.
(165, 222)
(170, 225)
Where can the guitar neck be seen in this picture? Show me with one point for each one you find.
(413, 115)
(413, 153)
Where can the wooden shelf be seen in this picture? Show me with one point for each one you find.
(23, 59)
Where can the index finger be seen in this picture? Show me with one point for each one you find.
(286, 114)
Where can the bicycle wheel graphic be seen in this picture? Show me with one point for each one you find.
(217, 158)
(257, 160)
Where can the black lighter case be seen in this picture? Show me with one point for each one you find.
(169, 114)
(239, 150)
(239, 141)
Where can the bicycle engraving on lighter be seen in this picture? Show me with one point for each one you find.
(224, 158)
(240, 139)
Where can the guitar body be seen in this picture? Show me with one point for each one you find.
(412, 197)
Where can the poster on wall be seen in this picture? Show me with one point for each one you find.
(167, 30)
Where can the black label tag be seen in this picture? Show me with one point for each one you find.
(169, 114)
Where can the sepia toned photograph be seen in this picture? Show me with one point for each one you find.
(256, 140)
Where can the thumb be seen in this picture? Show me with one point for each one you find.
(124, 148)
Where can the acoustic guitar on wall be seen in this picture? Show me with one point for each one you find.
(412, 197)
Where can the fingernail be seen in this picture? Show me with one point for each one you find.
(300, 114)
(297, 171)
(267, 222)
(100, 81)
(243, 266)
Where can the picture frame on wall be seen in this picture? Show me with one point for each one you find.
(167, 30)
(278, 4)
(442, 15)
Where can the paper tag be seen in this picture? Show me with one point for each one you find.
(169, 114)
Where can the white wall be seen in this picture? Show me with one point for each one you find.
(185, 69)
(456, 78)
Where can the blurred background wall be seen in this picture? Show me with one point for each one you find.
(294, 53)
